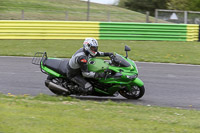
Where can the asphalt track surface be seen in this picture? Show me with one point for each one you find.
(167, 85)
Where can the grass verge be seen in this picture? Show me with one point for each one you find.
(49, 114)
(76, 9)
(148, 51)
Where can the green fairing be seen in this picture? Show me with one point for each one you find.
(99, 65)
(138, 82)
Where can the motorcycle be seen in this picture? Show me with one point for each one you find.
(121, 76)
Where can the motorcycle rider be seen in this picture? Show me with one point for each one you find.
(77, 69)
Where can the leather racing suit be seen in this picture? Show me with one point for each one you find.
(77, 69)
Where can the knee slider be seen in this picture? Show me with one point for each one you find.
(88, 86)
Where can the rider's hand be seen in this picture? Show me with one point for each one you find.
(100, 75)
(111, 55)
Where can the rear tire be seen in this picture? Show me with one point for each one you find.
(136, 92)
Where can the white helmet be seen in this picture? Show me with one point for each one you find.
(91, 45)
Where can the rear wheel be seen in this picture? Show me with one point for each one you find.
(135, 93)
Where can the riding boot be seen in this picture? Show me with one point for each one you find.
(84, 86)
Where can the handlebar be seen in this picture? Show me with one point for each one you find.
(114, 60)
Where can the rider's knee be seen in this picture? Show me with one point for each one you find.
(88, 86)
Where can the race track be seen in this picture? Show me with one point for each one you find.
(169, 85)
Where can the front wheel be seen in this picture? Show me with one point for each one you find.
(135, 93)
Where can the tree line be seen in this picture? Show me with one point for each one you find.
(151, 5)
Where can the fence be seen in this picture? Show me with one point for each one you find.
(107, 16)
(161, 16)
(177, 16)
(99, 30)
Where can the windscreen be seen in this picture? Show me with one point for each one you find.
(119, 61)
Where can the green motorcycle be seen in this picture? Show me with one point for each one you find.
(121, 76)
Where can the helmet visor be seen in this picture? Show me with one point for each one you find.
(94, 48)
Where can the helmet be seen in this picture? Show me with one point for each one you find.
(91, 45)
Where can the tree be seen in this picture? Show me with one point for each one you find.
(179, 4)
(151, 5)
(192, 5)
(121, 3)
(146, 5)
(195, 5)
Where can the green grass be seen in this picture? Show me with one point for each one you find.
(55, 10)
(148, 51)
(50, 114)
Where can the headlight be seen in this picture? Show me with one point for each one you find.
(132, 76)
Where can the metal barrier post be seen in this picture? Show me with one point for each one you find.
(156, 16)
(88, 10)
(185, 17)
(147, 17)
(22, 15)
(108, 16)
(66, 15)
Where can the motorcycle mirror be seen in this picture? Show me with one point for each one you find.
(127, 49)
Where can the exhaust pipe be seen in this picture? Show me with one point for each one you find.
(56, 88)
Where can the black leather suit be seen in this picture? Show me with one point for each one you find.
(77, 68)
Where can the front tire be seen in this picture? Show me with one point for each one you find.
(135, 93)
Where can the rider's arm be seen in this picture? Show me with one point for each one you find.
(82, 61)
(103, 53)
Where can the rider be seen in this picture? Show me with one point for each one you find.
(77, 67)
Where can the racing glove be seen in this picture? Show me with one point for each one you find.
(100, 75)
(111, 54)
(108, 54)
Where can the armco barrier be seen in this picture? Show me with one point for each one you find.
(48, 30)
(149, 31)
(193, 32)
(99, 30)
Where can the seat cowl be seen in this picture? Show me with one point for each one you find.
(57, 65)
